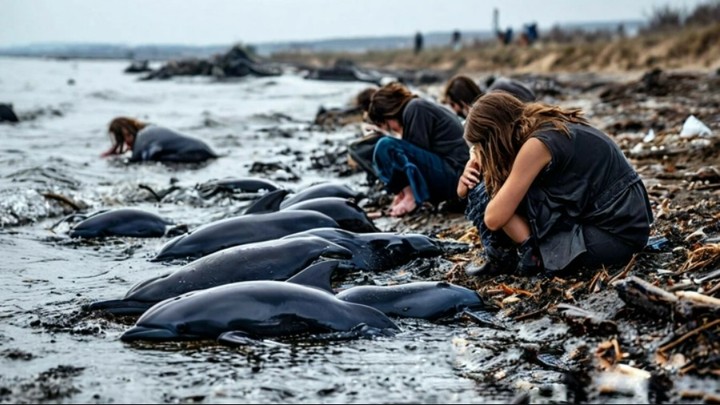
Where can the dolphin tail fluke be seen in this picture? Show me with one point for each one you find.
(484, 318)
(452, 247)
(119, 307)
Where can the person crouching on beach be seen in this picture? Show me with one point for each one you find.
(560, 193)
(154, 143)
(461, 92)
(424, 164)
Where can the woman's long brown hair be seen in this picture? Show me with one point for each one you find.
(389, 102)
(116, 129)
(499, 124)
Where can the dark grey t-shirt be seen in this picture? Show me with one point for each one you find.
(435, 129)
(588, 181)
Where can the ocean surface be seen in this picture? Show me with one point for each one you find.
(52, 352)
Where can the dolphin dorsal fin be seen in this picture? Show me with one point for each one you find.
(270, 202)
(317, 275)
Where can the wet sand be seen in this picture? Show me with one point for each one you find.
(53, 352)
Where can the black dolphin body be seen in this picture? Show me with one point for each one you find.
(235, 185)
(156, 143)
(232, 312)
(121, 222)
(380, 251)
(240, 230)
(429, 300)
(270, 260)
(7, 113)
(276, 201)
(344, 211)
(321, 190)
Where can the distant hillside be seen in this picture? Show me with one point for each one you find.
(163, 52)
(158, 52)
(431, 40)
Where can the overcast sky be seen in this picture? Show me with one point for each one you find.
(204, 22)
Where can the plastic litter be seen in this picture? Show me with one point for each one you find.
(694, 127)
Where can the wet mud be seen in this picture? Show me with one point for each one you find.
(595, 335)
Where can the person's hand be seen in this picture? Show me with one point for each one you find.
(470, 178)
(108, 152)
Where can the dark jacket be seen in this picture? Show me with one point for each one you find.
(437, 130)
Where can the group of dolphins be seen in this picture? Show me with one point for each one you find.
(267, 273)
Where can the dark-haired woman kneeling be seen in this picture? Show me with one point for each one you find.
(426, 162)
(561, 190)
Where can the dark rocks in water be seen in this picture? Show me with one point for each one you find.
(235, 63)
(138, 66)
(7, 114)
(344, 71)
(235, 185)
(421, 77)
(337, 117)
(278, 171)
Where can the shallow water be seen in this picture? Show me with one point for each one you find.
(53, 353)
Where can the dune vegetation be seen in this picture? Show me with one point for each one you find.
(670, 39)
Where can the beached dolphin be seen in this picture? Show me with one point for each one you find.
(275, 201)
(155, 143)
(235, 185)
(344, 211)
(121, 222)
(270, 260)
(429, 300)
(240, 230)
(234, 312)
(380, 251)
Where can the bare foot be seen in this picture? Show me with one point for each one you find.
(403, 205)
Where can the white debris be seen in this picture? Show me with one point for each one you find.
(694, 127)
(650, 136)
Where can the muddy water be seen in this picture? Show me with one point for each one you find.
(51, 352)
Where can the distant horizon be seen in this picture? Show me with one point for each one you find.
(198, 22)
(566, 24)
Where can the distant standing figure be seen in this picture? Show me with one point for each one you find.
(529, 34)
(418, 42)
(505, 37)
(154, 143)
(456, 44)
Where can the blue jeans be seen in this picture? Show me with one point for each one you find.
(399, 163)
(498, 246)
(602, 247)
